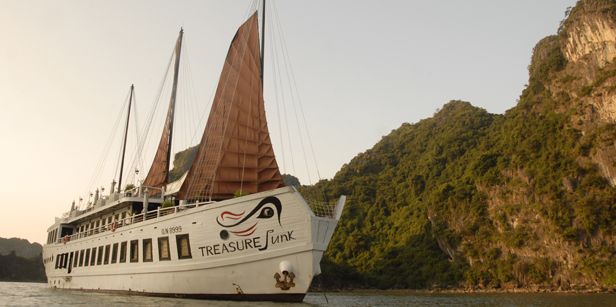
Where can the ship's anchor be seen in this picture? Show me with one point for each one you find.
(287, 283)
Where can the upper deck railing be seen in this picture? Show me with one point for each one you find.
(107, 199)
(319, 208)
(129, 220)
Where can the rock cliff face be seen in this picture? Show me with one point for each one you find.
(467, 198)
(587, 41)
(590, 33)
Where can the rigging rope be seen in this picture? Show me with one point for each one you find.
(107, 148)
(290, 71)
(146, 128)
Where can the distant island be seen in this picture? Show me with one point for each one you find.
(21, 260)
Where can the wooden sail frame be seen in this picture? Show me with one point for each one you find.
(235, 156)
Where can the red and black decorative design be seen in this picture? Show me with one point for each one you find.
(267, 208)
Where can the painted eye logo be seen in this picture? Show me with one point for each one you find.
(243, 225)
(266, 213)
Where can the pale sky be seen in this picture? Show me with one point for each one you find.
(362, 68)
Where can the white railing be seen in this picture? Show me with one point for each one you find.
(103, 200)
(133, 219)
(323, 208)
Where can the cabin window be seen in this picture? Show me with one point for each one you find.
(87, 260)
(81, 258)
(123, 252)
(183, 244)
(107, 253)
(65, 261)
(163, 248)
(134, 251)
(147, 250)
(96, 230)
(99, 256)
(70, 262)
(75, 258)
(114, 253)
(58, 261)
(93, 259)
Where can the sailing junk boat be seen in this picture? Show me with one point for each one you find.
(265, 245)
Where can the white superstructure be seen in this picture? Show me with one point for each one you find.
(258, 240)
(264, 246)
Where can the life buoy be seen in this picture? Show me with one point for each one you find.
(113, 226)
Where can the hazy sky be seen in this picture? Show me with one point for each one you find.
(362, 68)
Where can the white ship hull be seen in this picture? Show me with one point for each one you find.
(246, 248)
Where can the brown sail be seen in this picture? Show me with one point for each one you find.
(235, 155)
(159, 171)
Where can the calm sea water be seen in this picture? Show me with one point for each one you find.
(34, 294)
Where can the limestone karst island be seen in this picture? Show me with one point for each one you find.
(465, 200)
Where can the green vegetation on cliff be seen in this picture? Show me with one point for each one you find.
(472, 199)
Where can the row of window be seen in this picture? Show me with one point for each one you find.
(107, 254)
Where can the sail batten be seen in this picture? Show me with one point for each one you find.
(235, 151)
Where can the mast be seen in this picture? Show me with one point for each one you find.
(262, 41)
(130, 100)
(158, 175)
(174, 89)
